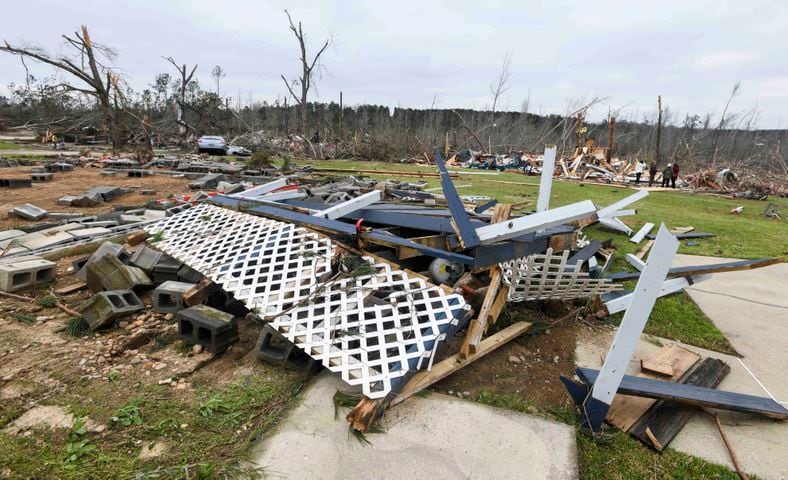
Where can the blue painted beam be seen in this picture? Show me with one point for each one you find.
(465, 230)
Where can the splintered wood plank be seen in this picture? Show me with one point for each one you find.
(670, 360)
(478, 326)
(447, 366)
(626, 410)
(660, 425)
(643, 251)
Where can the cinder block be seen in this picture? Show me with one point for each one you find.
(30, 212)
(145, 258)
(227, 303)
(188, 274)
(104, 307)
(273, 347)
(41, 177)
(139, 173)
(103, 249)
(166, 269)
(176, 210)
(18, 275)
(213, 329)
(208, 181)
(109, 273)
(38, 170)
(168, 297)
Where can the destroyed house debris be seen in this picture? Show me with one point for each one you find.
(371, 280)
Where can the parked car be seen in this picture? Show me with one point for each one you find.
(238, 151)
(212, 144)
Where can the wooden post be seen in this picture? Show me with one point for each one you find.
(611, 131)
(659, 126)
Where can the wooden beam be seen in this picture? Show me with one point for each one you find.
(390, 173)
(341, 209)
(643, 251)
(624, 202)
(705, 269)
(692, 395)
(537, 221)
(478, 326)
(446, 367)
(638, 237)
(546, 181)
(665, 420)
(460, 219)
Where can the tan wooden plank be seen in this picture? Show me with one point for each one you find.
(669, 361)
(626, 410)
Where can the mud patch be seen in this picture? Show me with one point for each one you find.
(48, 416)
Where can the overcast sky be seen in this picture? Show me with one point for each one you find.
(413, 53)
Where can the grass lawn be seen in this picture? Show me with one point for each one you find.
(203, 434)
(9, 146)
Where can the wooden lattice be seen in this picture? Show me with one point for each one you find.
(266, 264)
(372, 328)
(541, 277)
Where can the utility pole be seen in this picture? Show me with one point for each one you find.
(341, 117)
(659, 127)
(611, 131)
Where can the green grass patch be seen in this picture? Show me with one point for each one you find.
(139, 415)
(9, 146)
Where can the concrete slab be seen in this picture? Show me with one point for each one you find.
(435, 437)
(90, 232)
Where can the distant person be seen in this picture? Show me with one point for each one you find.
(675, 174)
(667, 174)
(639, 167)
(652, 173)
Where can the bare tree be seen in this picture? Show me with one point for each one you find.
(503, 83)
(724, 119)
(88, 63)
(307, 70)
(217, 73)
(180, 101)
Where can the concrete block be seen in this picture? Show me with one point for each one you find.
(100, 223)
(38, 170)
(15, 182)
(30, 212)
(41, 177)
(208, 181)
(273, 347)
(148, 192)
(37, 240)
(228, 187)
(168, 297)
(10, 234)
(188, 274)
(103, 249)
(59, 167)
(109, 273)
(64, 215)
(18, 275)
(108, 193)
(145, 258)
(139, 173)
(104, 307)
(90, 232)
(176, 210)
(213, 329)
(86, 200)
(166, 269)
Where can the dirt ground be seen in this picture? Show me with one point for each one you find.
(527, 367)
(46, 194)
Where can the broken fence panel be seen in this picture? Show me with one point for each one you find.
(537, 221)
(609, 211)
(614, 223)
(548, 276)
(344, 208)
(638, 237)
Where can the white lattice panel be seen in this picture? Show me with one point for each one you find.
(541, 277)
(373, 328)
(266, 264)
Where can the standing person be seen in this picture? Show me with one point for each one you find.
(639, 167)
(652, 173)
(667, 174)
(675, 174)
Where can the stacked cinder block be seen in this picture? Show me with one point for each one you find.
(109, 273)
